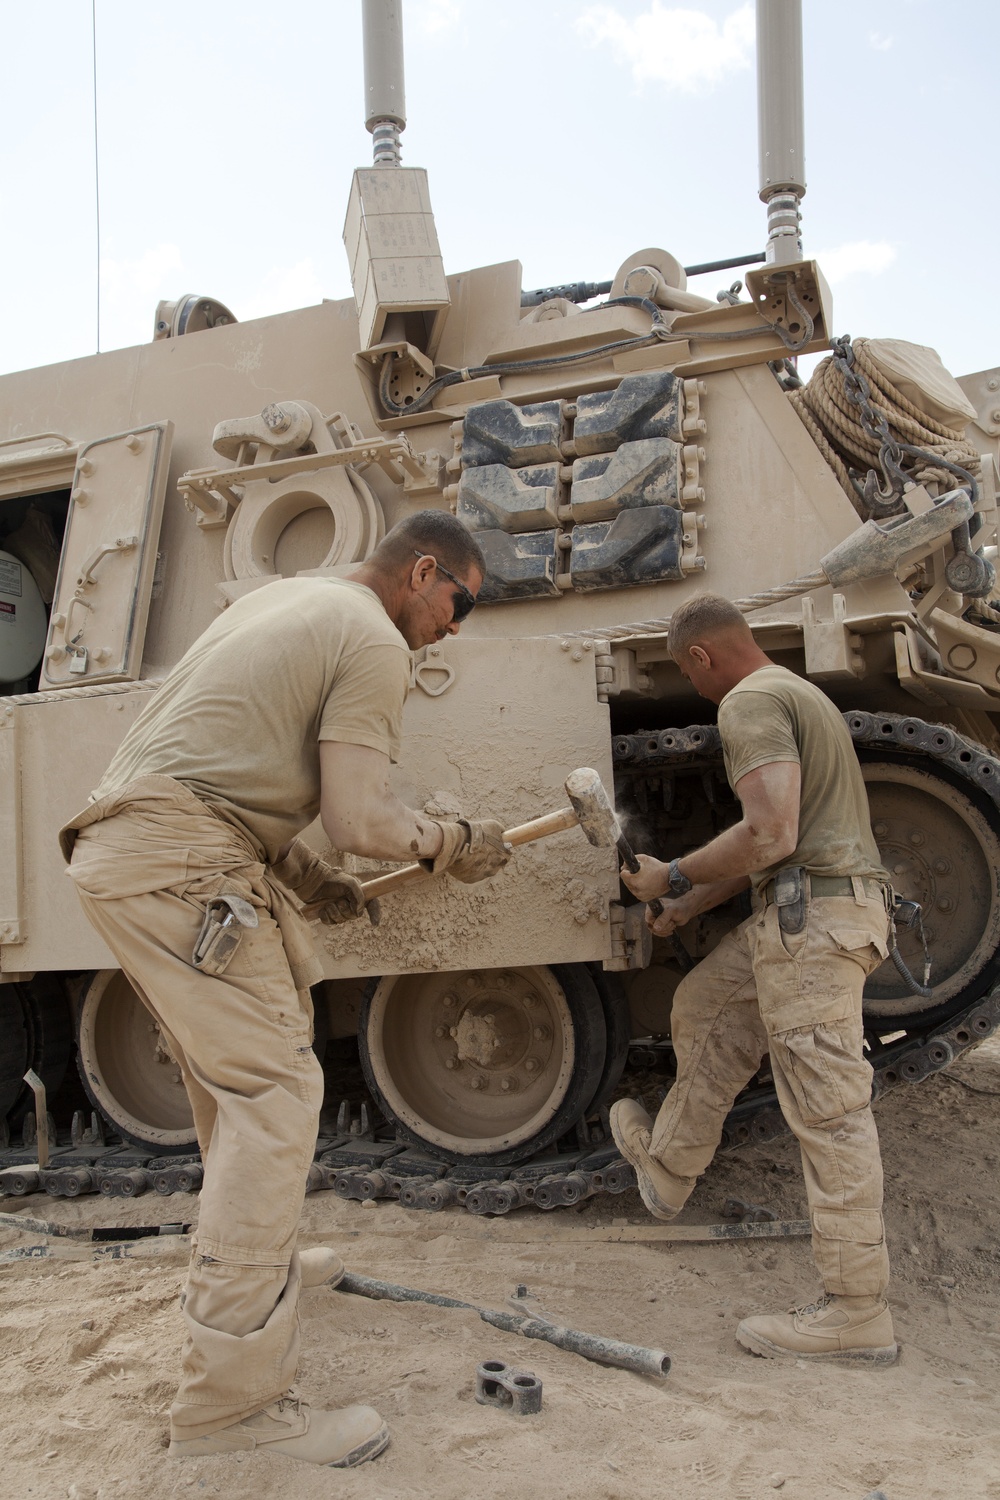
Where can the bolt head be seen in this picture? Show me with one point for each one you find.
(475, 1082)
(440, 1031)
(451, 1063)
(532, 1065)
(541, 1033)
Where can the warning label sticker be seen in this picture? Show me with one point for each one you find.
(10, 576)
(8, 613)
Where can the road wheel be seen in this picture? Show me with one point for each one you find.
(487, 1066)
(128, 1071)
(941, 848)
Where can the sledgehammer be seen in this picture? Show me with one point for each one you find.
(585, 790)
(589, 809)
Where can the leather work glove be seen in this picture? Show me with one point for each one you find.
(473, 849)
(334, 895)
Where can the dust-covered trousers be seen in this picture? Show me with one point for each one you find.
(145, 862)
(797, 996)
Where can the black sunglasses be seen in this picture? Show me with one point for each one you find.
(464, 602)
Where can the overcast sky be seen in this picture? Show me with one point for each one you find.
(561, 133)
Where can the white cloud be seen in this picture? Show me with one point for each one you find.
(283, 288)
(436, 16)
(858, 257)
(685, 49)
(880, 42)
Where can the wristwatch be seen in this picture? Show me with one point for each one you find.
(678, 885)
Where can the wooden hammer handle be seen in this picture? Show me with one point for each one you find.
(524, 833)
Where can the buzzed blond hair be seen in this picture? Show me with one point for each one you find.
(703, 617)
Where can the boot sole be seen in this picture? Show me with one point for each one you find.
(886, 1355)
(375, 1445)
(647, 1191)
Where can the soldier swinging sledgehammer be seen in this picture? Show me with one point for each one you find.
(289, 704)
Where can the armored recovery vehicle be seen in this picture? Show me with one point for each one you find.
(616, 448)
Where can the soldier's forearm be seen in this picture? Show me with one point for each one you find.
(383, 829)
(736, 853)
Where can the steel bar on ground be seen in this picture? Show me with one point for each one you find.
(589, 1345)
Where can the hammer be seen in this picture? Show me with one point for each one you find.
(589, 809)
(590, 800)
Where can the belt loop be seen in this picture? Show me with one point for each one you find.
(858, 887)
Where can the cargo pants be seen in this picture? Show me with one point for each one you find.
(798, 997)
(242, 1040)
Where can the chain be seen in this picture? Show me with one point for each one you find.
(887, 499)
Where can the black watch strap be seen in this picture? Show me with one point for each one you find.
(679, 884)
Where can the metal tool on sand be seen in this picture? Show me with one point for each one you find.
(590, 1345)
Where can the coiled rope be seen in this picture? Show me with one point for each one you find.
(834, 424)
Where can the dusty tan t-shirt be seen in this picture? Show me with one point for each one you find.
(773, 715)
(240, 717)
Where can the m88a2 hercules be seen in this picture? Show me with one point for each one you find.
(613, 460)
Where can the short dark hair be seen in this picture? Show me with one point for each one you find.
(435, 532)
(701, 617)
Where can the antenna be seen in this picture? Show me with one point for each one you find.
(385, 102)
(97, 166)
(780, 129)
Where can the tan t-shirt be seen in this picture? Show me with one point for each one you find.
(240, 717)
(773, 715)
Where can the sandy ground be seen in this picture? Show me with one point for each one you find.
(90, 1350)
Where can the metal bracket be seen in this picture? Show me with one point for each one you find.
(433, 674)
(212, 490)
(833, 650)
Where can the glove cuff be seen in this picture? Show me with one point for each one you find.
(302, 871)
(455, 841)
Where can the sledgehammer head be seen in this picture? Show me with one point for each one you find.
(595, 813)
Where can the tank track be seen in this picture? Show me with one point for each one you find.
(357, 1164)
(355, 1167)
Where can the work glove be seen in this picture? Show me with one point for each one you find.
(333, 895)
(472, 849)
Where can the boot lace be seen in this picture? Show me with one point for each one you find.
(291, 1401)
(812, 1308)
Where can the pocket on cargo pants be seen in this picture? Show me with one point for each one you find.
(824, 1068)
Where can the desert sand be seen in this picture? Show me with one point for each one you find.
(90, 1349)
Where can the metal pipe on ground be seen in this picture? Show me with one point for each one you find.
(590, 1346)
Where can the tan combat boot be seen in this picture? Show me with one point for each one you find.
(336, 1439)
(632, 1128)
(320, 1266)
(851, 1329)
